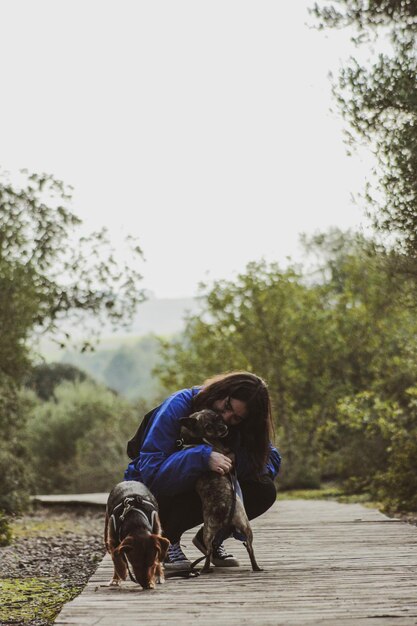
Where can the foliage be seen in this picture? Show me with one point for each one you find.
(48, 273)
(381, 106)
(397, 484)
(355, 442)
(379, 101)
(377, 429)
(127, 369)
(15, 481)
(266, 321)
(43, 378)
(342, 332)
(371, 445)
(78, 439)
(5, 530)
(366, 13)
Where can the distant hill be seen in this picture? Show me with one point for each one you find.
(126, 369)
(158, 316)
(124, 361)
(163, 316)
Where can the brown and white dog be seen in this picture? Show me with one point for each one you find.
(132, 535)
(222, 506)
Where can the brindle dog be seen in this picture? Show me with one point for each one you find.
(217, 492)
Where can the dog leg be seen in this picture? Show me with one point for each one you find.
(160, 576)
(106, 533)
(207, 569)
(251, 553)
(115, 581)
(249, 548)
(119, 566)
(243, 526)
(120, 570)
(208, 537)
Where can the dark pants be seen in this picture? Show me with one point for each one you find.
(184, 511)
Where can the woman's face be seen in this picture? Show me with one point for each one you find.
(233, 411)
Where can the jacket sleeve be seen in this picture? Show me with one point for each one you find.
(163, 468)
(274, 462)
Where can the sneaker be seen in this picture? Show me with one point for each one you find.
(176, 559)
(219, 556)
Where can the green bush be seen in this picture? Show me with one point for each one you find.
(396, 486)
(5, 531)
(78, 440)
(355, 440)
(15, 472)
(371, 445)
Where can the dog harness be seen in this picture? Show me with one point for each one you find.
(146, 510)
(141, 505)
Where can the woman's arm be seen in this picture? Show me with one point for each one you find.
(162, 467)
(274, 462)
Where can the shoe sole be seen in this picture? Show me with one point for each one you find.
(231, 562)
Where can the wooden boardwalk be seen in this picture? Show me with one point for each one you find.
(325, 563)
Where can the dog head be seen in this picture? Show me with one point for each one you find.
(205, 424)
(143, 554)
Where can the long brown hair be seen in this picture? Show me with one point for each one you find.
(257, 428)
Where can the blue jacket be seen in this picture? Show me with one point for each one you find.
(164, 469)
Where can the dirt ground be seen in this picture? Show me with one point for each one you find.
(53, 554)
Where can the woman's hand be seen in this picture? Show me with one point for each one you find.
(219, 463)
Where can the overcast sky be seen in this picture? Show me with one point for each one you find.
(202, 127)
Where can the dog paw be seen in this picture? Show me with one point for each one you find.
(114, 582)
(160, 581)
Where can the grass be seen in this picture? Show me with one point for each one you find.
(28, 599)
(38, 598)
(327, 493)
(37, 526)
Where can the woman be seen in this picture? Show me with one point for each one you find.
(242, 399)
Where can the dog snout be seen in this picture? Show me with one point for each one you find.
(223, 430)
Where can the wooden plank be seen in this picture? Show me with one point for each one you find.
(324, 563)
(95, 499)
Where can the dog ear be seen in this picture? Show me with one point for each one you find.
(125, 546)
(161, 545)
(188, 422)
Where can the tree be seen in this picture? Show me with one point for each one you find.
(45, 377)
(367, 13)
(340, 331)
(48, 273)
(379, 101)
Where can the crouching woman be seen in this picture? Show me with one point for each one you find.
(242, 399)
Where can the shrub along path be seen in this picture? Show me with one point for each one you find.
(324, 563)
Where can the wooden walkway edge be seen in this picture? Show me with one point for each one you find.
(87, 499)
(324, 563)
